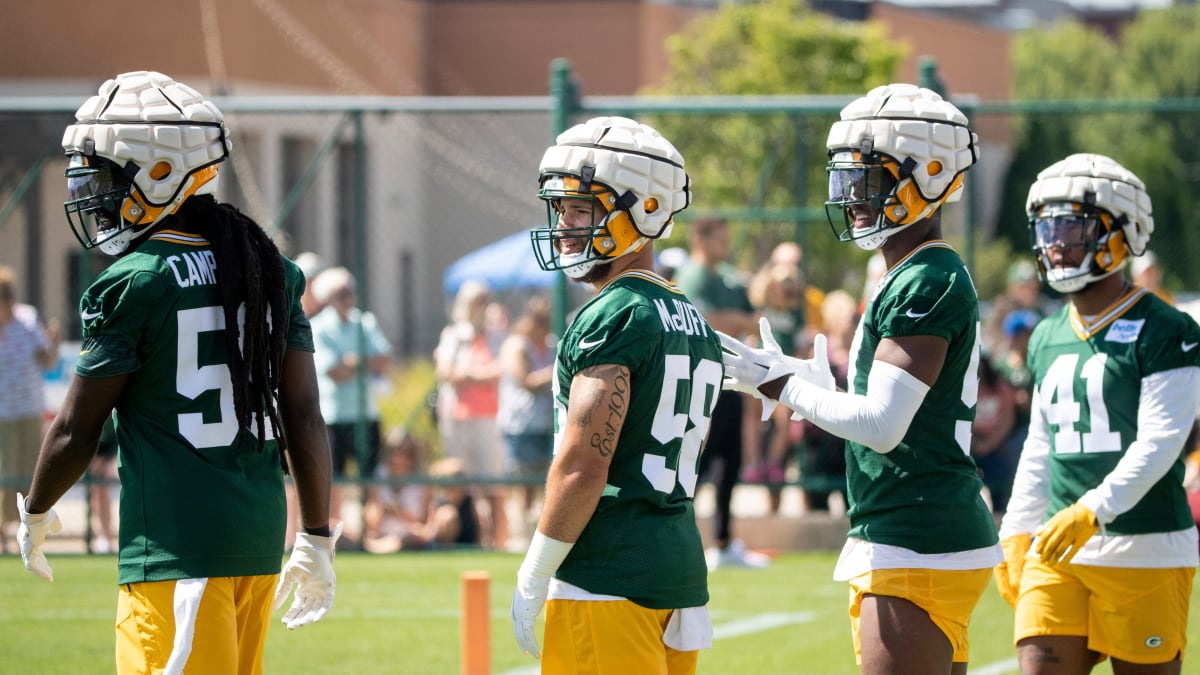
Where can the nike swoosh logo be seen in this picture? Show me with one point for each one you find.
(88, 316)
(1188, 346)
(584, 344)
(913, 315)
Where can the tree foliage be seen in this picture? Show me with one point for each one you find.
(764, 48)
(1152, 59)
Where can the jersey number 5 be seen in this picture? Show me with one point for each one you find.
(670, 425)
(193, 379)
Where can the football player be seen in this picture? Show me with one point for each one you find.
(617, 559)
(1098, 490)
(194, 341)
(896, 156)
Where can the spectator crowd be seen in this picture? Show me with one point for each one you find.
(494, 404)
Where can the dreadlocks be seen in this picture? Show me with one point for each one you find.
(250, 276)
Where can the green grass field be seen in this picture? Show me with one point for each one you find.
(400, 614)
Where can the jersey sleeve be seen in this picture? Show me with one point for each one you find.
(924, 301)
(1171, 341)
(602, 338)
(117, 310)
(299, 334)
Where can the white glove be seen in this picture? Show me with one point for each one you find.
(815, 371)
(310, 571)
(747, 368)
(533, 585)
(527, 603)
(32, 534)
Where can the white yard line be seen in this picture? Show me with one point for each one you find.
(1005, 667)
(759, 623)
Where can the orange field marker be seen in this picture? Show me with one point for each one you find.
(476, 619)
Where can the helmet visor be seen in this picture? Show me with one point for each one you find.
(1069, 240)
(93, 184)
(1066, 231)
(1066, 225)
(575, 225)
(856, 195)
(96, 189)
(854, 184)
(853, 181)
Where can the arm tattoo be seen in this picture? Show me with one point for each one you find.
(608, 399)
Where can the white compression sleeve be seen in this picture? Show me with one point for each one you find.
(878, 420)
(1165, 413)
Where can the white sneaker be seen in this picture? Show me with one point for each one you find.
(735, 555)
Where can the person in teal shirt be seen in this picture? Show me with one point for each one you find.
(352, 360)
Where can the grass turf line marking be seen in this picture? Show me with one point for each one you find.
(998, 668)
(759, 623)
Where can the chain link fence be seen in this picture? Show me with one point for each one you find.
(398, 190)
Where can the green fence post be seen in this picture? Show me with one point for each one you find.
(564, 95)
(362, 444)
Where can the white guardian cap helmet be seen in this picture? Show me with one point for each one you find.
(895, 157)
(137, 151)
(1091, 202)
(634, 180)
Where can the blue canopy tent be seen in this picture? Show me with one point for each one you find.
(505, 265)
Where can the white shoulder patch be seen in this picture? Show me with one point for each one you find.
(1124, 330)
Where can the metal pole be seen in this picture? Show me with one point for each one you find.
(562, 95)
(310, 174)
(361, 441)
(27, 182)
(800, 190)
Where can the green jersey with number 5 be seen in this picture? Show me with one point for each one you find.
(1089, 379)
(199, 498)
(642, 542)
(924, 494)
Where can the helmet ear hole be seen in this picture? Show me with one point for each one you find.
(160, 170)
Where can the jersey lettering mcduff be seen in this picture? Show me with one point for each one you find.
(644, 323)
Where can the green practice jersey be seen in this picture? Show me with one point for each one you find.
(1089, 381)
(642, 542)
(924, 495)
(198, 497)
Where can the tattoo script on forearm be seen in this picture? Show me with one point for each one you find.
(608, 398)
